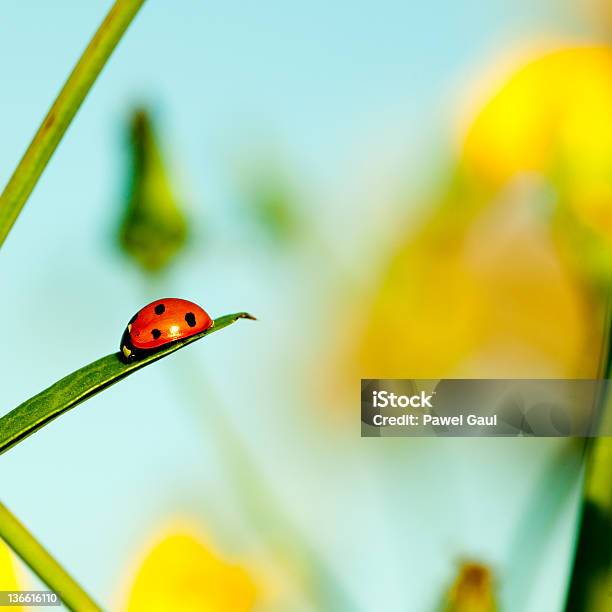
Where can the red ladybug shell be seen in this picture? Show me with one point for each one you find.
(162, 322)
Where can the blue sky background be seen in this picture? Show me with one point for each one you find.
(346, 93)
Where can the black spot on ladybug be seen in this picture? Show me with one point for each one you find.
(134, 318)
(155, 333)
(160, 309)
(190, 318)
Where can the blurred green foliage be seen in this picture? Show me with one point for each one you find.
(270, 203)
(153, 229)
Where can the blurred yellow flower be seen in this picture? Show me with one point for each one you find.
(492, 283)
(8, 576)
(553, 116)
(556, 107)
(472, 590)
(490, 300)
(181, 574)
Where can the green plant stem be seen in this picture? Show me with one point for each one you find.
(590, 587)
(255, 496)
(63, 110)
(43, 564)
(591, 576)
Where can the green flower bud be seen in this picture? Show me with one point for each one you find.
(154, 228)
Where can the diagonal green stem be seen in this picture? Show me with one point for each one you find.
(43, 564)
(65, 107)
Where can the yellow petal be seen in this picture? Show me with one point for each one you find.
(556, 100)
(8, 575)
(553, 116)
(180, 573)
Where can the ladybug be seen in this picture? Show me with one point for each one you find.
(160, 323)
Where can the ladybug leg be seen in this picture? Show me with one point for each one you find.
(126, 350)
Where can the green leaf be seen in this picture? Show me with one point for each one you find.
(79, 386)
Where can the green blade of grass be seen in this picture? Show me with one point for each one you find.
(590, 581)
(63, 110)
(590, 588)
(79, 386)
(43, 564)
